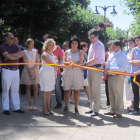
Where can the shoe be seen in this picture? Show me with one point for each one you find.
(6, 112)
(19, 111)
(76, 112)
(129, 109)
(35, 108)
(117, 116)
(65, 111)
(89, 112)
(134, 112)
(94, 114)
(30, 108)
(51, 113)
(58, 105)
(109, 113)
(46, 113)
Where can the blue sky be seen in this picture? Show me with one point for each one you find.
(120, 20)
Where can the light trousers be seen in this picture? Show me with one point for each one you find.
(10, 81)
(116, 87)
(94, 80)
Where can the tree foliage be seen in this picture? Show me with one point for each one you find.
(134, 6)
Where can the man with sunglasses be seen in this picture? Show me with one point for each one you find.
(10, 53)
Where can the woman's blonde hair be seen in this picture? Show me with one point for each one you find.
(45, 46)
(28, 41)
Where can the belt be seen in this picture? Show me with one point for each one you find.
(113, 75)
(10, 68)
(97, 65)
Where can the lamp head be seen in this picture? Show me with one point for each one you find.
(113, 13)
(96, 12)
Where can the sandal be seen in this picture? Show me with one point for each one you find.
(30, 108)
(35, 108)
(51, 113)
(65, 111)
(76, 112)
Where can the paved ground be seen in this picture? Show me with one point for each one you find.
(36, 126)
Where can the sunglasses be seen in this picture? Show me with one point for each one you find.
(12, 38)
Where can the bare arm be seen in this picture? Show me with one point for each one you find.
(81, 57)
(93, 60)
(64, 59)
(19, 54)
(9, 56)
(35, 66)
(47, 59)
(60, 60)
(134, 62)
(25, 61)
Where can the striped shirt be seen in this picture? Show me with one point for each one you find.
(97, 50)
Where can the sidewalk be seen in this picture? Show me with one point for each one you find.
(33, 125)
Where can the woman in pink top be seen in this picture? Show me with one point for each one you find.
(30, 73)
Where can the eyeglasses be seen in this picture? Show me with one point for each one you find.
(91, 37)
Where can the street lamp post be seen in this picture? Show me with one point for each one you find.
(113, 13)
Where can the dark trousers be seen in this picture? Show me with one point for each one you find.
(0, 84)
(107, 92)
(62, 90)
(135, 89)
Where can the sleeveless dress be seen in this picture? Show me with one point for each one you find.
(25, 76)
(72, 78)
(128, 87)
(47, 75)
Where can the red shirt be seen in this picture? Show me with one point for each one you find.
(59, 54)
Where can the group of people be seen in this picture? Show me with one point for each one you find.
(71, 77)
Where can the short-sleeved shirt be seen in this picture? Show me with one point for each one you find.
(13, 49)
(136, 56)
(59, 54)
(96, 50)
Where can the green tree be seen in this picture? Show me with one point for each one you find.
(134, 6)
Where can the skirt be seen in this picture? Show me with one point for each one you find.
(27, 80)
(72, 78)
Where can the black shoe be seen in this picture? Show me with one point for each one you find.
(19, 111)
(6, 112)
(89, 112)
(94, 114)
(58, 105)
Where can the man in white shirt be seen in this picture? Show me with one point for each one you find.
(117, 61)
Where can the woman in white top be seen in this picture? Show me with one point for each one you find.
(72, 77)
(47, 75)
(30, 73)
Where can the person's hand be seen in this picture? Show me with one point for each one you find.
(55, 68)
(106, 72)
(136, 73)
(104, 64)
(31, 72)
(85, 64)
